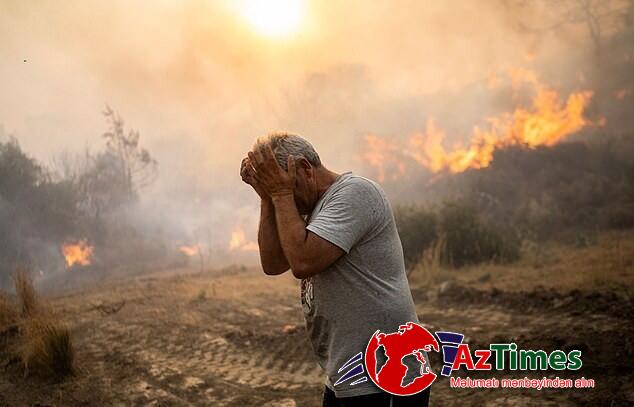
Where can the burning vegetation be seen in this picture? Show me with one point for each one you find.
(77, 254)
(189, 251)
(240, 242)
(90, 195)
(529, 179)
(546, 122)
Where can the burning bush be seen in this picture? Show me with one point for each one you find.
(539, 194)
(556, 192)
(547, 121)
(77, 253)
(81, 202)
(43, 343)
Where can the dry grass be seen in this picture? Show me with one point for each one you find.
(8, 312)
(429, 270)
(26, 294)
(202, 295)
(46, 347)
(44, 342)
(607, 265)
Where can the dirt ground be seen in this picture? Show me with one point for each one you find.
(235, 337)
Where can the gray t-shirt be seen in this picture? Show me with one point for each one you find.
(365, 290)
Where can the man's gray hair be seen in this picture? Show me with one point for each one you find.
(284, 144)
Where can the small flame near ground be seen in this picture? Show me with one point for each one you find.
(547, 121)
(239, 241)
(78, 253)
(189, 250)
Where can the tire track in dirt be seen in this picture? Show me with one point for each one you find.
(539, 322)
(205, 368)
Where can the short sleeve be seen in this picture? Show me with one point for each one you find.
(349, 214)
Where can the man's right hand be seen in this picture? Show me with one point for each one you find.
(247, 173)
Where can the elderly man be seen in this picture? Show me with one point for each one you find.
(336, 233)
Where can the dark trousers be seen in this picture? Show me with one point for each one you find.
(377, 400)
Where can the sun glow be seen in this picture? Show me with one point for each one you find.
(273, 18)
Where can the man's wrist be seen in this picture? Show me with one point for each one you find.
(282, 196)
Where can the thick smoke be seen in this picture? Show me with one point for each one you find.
(200, 85)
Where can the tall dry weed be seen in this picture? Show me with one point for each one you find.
(8, 311)
(46, 347)
(42, 341)
(25, 293)
(429, 268)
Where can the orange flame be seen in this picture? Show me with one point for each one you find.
(239, 241)
(78, 253)
(189, 250)
(378, 152)
(547, 122)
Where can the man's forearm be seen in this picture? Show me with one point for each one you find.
(271, 254)
(291, 229)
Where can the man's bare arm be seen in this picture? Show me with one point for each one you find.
(307, 253)
(271, 254)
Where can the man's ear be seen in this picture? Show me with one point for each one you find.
(302, 162)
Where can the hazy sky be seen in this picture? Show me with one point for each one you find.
(200, 81)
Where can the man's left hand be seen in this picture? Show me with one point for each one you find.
(268, 173)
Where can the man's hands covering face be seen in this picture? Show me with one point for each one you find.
(247, 173)
(271, 179)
